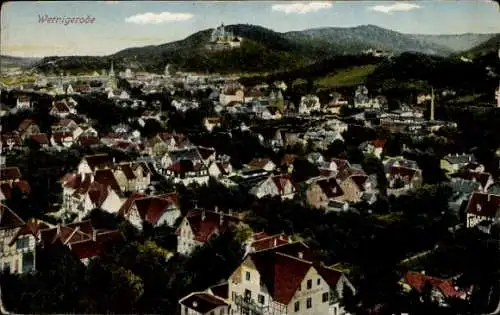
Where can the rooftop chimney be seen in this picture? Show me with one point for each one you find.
(94, 235)
(203, 215)
(301, 255)
(221, 218)
(275, 242)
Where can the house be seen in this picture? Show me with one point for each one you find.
(218, 169)
(286, 280)
(270, 112)
(23, 102)
(27, 127)
(199, 226)
(61, 139)
(321, 191)
(165, 142)
(82, 238)
(402, 179)
(253, 94)
(62, 109)
(10, 142)
(336, 102)
(374, 147)
(204, 303)
(9, 175)
(187, 172)
(277, 185)
(231, 94)
(484, 180)
(90, 163)
(262, 163)
(132, 176)
(16, 254)
(41, 139)
(155, 210)
(208, 155)
(441, 289)
(82, 193)
(355, 186)
(452, 163)
(309, 104)
(482, 207)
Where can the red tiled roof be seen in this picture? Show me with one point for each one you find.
(61, 135)
(281, 181)
(281, 274)
(40, 138)
(98, 161)
(127, 170)
(330, 187)
(89, 248)
(98, 194)
(88, 140)
(127, 205)
(405, 173)
(483, 204)
(379, 143)
(418, 281)
(288, 159)
(10, 173)
(268, 242)
(204, 229)
(202, 302)
(61, 107)
(107, 178)
(23, 186)
(31, 227)
(152, 208)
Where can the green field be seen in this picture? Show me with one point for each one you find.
(347, 77)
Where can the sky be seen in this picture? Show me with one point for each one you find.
(109, 26)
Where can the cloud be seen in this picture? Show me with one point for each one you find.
(301, 7)
(158, 18)
(396, 7)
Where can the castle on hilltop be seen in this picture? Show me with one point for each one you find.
(223, 39)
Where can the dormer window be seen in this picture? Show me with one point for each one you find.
(478, 208)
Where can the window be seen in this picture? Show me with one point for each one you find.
(319, 281)
(247, 275)
(309, 284)
(309, 302)
(186, 310)
(248, 295)
(212, 313)
(28, 262)
(261, 299)
(234, 296)
(325, 297)
(300, 287)
(221, 312)
(22, 243)
(296, 307)
(6, 267)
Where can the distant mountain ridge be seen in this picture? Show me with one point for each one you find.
(267, 50)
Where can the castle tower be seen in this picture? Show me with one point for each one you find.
(432, 104)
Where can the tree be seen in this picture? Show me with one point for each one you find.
(303, 170)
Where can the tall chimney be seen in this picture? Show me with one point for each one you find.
(432, 105)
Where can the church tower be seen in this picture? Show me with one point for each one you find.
(432, 105)
(111, 84)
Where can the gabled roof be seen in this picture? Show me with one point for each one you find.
(107, 178)
(10, 173)
(98, 161)
(205, 153)
(288, 159)
(330, 187)
(61, 107)
(6, 138)
(202, 302)
(40, 138)
(359, 180)
(417, 281)
(259, 162)
(91, 248)
(281, 181)
(484, 204)
(153, 207)
(206, 224)
(31, 227)
(9, 219)
(25, 124)
(280, 273)
(405, 173)
(59, 136)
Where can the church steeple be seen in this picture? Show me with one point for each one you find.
(111, 71)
